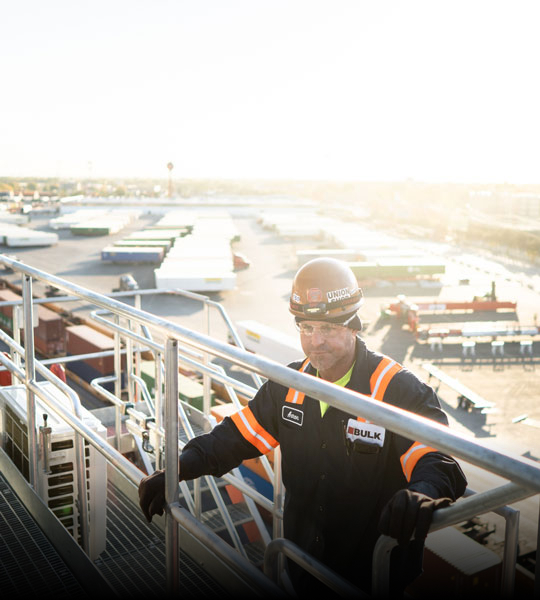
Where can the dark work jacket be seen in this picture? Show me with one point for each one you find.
(334, 497)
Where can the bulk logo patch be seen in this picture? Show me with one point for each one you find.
(293, 415)
(368, 433)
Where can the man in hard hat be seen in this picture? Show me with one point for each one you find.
(347, 480)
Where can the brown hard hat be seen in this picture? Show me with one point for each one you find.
(323, 289)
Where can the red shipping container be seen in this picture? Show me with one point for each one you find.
(82, 339)
(8, 296)
(50, 325)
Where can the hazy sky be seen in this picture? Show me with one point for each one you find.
(325, 89)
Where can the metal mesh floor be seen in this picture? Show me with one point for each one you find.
(133, 562)
(134, 558)
(28, 562)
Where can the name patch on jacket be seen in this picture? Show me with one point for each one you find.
(293, 415)
(368, 433)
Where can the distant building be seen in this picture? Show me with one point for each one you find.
(522, 204)
(6, 196)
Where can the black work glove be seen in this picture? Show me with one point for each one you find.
(408, 511)
(152, 494)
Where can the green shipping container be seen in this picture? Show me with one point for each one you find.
(189, 390)
(395, 269)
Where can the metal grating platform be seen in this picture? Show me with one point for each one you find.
(134, 558)
(28, 562)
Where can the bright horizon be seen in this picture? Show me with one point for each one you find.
(303, 90)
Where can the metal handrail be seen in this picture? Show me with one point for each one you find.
(120, 463)
(251, 496)
(523, 473)
(215, 372)
(320, 571)
(76, 404)
(453, 515)
(515, 468)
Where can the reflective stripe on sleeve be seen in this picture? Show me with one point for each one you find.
(294, 396)
(412, 456)
(252, 431)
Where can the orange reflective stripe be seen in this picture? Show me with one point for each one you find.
(252, 431)
(412, 456)
(294, 396)
(380, 378)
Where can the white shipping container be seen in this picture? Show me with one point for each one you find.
(198, 264)
(266, 341)
(67, 220)
(15, 236)
(193, 278)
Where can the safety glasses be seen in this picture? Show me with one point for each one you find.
(326, 330)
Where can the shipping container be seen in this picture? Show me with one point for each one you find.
(177, 219)
(194, 278)
(50, 324)
(199, 265)
(91, 229)
(190, 390)
(396, 269)
(165, 244)
(67, 220)
(15, 236)
(156, 234)
(82, 339)
(266, 341)
(49, 327)
(6, 312)
(345, 254)
(50, 333)
(13, 218)
(208, 226)
(105, 225)
(391, 254)
(132, 254)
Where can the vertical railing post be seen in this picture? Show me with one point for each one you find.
(171, 461)
(537, 564)
(129, 365)
(158, 404)
(117, 383)
(29, 377)
(511, 538)
(136, 350)
(206, 358)
(33, 448)
(277, 522)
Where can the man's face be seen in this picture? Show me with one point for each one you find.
(330, 348)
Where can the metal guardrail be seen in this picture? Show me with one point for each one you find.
(523, 474)
(196, 361)
(282, 546)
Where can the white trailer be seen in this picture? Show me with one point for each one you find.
(271, 343)
(194, 277)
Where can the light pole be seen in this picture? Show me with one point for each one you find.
(170, 167)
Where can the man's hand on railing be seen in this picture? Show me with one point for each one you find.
(152, 494)
(408, 512)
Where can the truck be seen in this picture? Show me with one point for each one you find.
(410, 311)
(126, 283)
